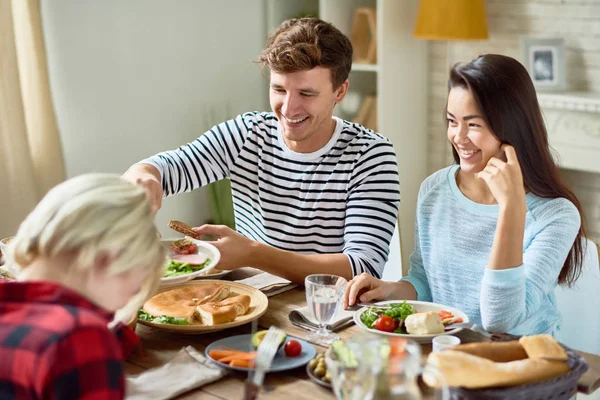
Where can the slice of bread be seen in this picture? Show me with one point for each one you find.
(184, 228)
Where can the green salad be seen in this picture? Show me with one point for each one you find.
(389, 318)
(162, 319)
(176, 268)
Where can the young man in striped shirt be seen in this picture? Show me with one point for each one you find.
(312, 193)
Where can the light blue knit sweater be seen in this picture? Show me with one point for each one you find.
(453, 240)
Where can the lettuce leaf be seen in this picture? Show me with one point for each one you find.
(176, 268)
(161, 319)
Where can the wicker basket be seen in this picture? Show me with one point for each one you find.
(560, 387)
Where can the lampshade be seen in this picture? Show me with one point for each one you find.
(451, 20)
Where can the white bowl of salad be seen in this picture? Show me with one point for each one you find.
(188, 258)
(389, 318)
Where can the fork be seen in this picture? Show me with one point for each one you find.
(264, 357)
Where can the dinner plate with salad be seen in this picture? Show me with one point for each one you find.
(187, 259)
(417, 320)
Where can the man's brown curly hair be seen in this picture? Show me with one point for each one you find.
(302, 44)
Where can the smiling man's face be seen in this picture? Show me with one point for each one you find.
(303, 102)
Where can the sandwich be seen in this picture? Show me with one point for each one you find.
(204, 304)
(215, 313)
(180, 303)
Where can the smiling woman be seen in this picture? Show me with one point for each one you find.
(498, 231)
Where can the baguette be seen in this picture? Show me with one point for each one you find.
(466, 370)
(184, 228)
(495, 351)
(543, 346)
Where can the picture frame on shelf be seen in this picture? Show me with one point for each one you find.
(544, 59)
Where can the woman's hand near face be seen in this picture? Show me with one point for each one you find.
(504, 178)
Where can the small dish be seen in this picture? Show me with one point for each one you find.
(281, 362)
(311, 375)
(205, 249)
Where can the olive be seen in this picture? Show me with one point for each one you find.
(321, 364)
(326, 379)
(312, 364)
(319, 372)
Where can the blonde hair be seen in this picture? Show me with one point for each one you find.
(87, 216)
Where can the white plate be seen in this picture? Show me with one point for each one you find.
(419, 306)
(204, 248)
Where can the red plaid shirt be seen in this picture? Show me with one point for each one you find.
(55, 344)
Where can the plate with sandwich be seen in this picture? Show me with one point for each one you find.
(203, 306)
(417, 320)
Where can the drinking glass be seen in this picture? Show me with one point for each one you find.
(388, 369)
(324, 294)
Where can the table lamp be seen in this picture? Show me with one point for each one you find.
(451, 20)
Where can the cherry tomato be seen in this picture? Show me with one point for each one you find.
(293, 348)
(445, 314)
(385, 324)
(184, 247)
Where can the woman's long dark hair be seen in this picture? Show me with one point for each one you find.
(503, 90)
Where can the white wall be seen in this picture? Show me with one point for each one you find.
(132, 78)
(577, 21)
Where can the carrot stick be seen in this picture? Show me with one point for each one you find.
(240, 363)
(218, 354)
(229, 349)
(242, 356)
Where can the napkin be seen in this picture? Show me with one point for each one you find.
(269, 284)
(304, 316)
(187, 370)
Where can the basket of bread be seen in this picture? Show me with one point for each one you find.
(532, 368)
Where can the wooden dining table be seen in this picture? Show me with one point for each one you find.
(159, 347)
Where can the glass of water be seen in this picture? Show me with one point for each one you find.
(324, 294)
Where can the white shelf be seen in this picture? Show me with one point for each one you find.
(365, 67)
(574, 101)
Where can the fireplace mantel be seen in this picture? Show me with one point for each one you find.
(573, 122)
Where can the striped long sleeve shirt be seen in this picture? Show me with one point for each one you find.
(343, 198)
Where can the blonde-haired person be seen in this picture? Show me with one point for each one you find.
(87, 250)
(312, 193)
